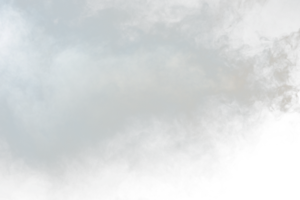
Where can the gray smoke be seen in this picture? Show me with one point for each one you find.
(91, 91)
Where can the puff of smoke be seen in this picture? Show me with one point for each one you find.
(144, 96)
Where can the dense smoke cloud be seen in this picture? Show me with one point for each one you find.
(149, 96)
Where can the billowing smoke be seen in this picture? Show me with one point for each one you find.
(148, 99)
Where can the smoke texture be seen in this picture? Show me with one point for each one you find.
(148, 99)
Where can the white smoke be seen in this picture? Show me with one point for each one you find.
(149, 99)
